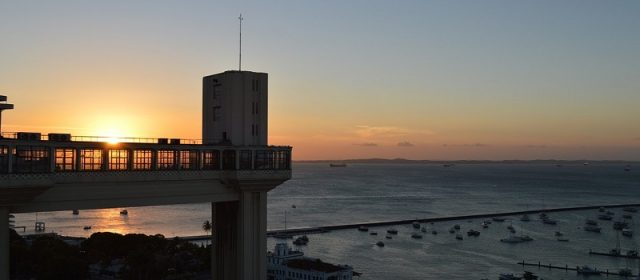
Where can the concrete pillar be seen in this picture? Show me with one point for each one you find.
(239, 238)
(4, 243)
(253, 235)
(225, 230)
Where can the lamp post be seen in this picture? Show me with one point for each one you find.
(3, 106)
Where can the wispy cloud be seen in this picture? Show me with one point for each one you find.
(368, 131)
(535, 146)
(367, 144)
(472, 145)
(405, 144)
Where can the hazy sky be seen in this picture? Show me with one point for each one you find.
(446, 79)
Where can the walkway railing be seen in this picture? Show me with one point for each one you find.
(20, 154)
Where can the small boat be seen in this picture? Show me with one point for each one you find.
(592, 228)
(363, 228)
(610, 213)
(529, 276)
(563, 239)
(627, 232)
(591, 222)
(423, 229)
(543, 216)
(472, 232)
(459, 236)
(337, 165)
(124, 212)
(508, 277)
(415, 225)
(392, 231)
(87, 227)
(601, 209)
(516, 239)
(619, 225)
(630, 209)
(525, 218)
(605, 217)
(558, 233)
(434, 232)
(456, 227)
(388, 237)
(75, 212)
(625, 272)
(510, 227)
(549, 222)
(451, 230)
(484, 225)
(373, 233)
(586, 270)
(627, 169)
(632, 253)
(380, 244)
(301, 241)
(498, 219)
(416, 236)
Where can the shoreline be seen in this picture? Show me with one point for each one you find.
(324, 229)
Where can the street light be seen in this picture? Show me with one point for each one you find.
(3, 106)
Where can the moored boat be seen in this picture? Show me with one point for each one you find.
(592, 228)
(587, 270)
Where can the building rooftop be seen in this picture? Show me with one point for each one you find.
(313, 264)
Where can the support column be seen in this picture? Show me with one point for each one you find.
(4, 243)
(253, 235)
(239, 249)
(224, 257)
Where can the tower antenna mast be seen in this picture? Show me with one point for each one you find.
(240, 53)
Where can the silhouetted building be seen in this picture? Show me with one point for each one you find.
(235, 108)
(284, 264)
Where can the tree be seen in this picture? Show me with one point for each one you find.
(206, 226)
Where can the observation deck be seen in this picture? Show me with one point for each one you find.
(59, 171)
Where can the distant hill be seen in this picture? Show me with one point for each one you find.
(410, 161)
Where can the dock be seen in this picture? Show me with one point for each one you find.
(566, 267)
(614, 255)
(312, 230)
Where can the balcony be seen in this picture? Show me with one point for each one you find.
(31, 154)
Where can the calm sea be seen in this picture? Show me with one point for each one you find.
(379, 192)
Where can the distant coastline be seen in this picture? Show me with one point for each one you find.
(411, 161)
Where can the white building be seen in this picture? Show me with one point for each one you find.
(286, 264)
(235, 108)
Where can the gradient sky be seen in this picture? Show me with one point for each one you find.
(348, 79)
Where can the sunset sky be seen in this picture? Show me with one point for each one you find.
(347, 79)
